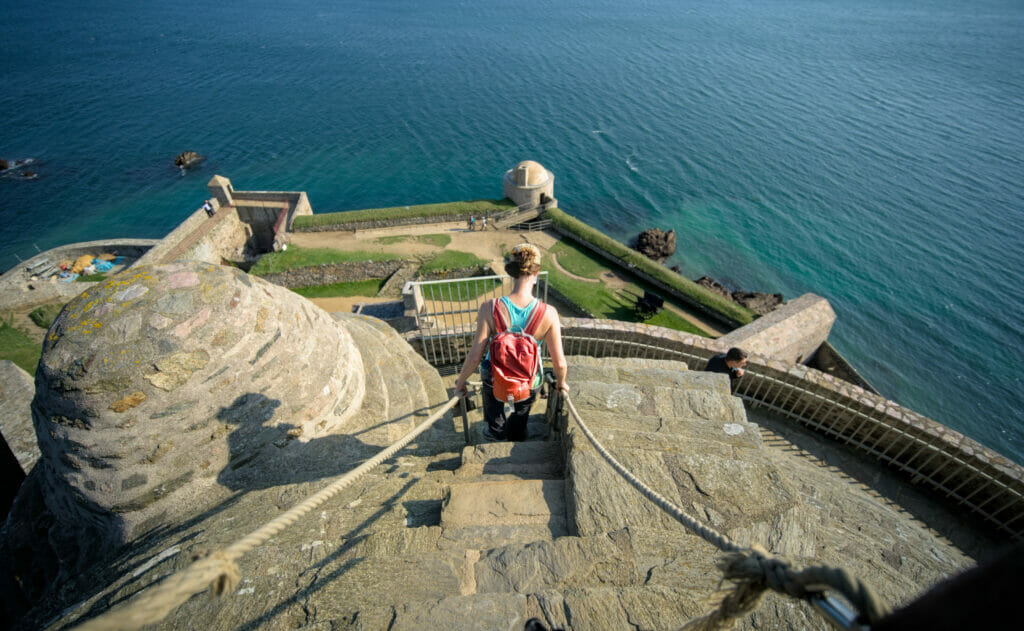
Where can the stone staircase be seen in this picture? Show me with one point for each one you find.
(488, 535)
(499, 541)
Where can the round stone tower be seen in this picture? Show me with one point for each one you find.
(159, 380)
(528, 183)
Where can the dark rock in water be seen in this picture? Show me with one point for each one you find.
(656, 244)
(29, 175)
(4, 164)
(758, 302)
(713, 285)
(676, 269)
(188, 159)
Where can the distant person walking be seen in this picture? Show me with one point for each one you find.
(472, 223)
(730, 363)
(208, 207)
(484, 227)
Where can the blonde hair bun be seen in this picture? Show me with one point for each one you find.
(526, 255)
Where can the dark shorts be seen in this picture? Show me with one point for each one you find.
(502, 427)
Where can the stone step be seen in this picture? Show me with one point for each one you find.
(585, 608)
(658, 372)
(659, 432)
(530, 459)
(537, 429)
(506, 502)
(492, 537)
(369, 343)
(630, 400)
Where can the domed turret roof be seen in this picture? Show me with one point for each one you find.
(535, 173)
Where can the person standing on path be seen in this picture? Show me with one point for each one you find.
(523, 265)
(484, 226)
(730, 363)
(472, 223)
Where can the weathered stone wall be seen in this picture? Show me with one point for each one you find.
(16, 391)
(158, 386)
(384, 223)
(792, 332)
(330, 273)
(462, 272)
(157, 253)
(225, 240)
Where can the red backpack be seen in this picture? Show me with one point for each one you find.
(515, 355)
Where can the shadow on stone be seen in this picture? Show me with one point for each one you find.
(353, 537)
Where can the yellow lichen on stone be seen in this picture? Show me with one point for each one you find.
(126, 403)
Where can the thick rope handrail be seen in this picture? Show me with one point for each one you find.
(753, 570)
(218, 570)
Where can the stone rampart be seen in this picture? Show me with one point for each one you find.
(175, 237)
(792, 332)
(383, 223)
(330, 273)
(951, 464)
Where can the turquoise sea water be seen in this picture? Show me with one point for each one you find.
(870, 151)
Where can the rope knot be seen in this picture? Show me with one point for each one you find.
(226, 573)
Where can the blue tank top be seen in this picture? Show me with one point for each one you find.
(518, 318)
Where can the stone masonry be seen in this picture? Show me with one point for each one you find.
(791, 332)
(157, 387)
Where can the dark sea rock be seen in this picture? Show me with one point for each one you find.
(188, 159)
(713, 285)
(758, 302)
(4, 164)
(656, 244)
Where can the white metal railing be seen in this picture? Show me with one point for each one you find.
(446, 312)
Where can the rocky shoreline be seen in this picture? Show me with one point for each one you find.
(658, 245)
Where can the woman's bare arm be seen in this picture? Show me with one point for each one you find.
(476, 353)
(553, 339)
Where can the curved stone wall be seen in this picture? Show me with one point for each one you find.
(157, 387)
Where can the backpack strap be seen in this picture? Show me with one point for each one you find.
(535, 318)
(501, 315)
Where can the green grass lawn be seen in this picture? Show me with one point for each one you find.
(354, 288)
(605, 303)
(19, 347)
(448, 260)
(735, 312)
(44, 316)
(671, 320)
(578, 261)
(296, 256)
(436, 240)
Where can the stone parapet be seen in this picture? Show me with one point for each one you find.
(384, 223)
(330, 273)
(792, 332)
